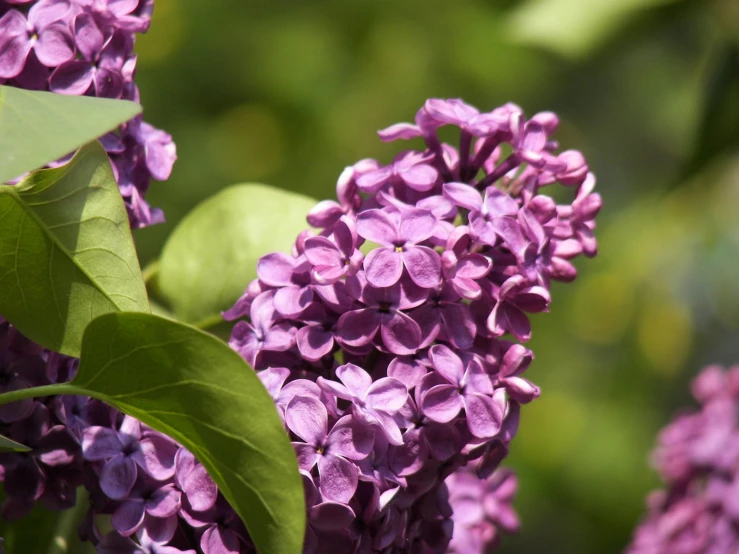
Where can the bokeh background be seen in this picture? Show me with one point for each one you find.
(289, 92)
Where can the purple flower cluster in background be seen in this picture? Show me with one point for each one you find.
(381, 337)
(697, 455)
(85, 47)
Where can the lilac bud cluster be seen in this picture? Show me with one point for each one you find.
(85, 47)
(381, 337)
(698, 457)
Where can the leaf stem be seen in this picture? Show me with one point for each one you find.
(150, 271)
(208, 322)
(36, 392)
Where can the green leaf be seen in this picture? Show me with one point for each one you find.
(573, 28)
(66, 251)
(212, 254)
(718, 130)
(194, 388)
(39, 127)
(7, 445)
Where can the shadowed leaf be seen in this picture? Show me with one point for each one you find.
(194, 388)
(38, 127)
(66, 251)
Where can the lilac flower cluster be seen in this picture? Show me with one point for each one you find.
(698, 457)
(381, 337)
(51, 471)
(85, 47)
(159, 498)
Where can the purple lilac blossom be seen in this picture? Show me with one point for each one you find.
(413, 349)
(85, 47)
(697, 456)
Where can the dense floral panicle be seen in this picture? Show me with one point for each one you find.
(389, 364)
(85, 47)
(697, 455)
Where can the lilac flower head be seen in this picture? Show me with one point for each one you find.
(86, 47)
(395, 368)
(697, 456)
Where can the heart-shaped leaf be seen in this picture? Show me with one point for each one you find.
(66, 251)
(38, 127)
(212, 254)
(191, 386)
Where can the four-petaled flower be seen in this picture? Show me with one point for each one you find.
(469, 387)
(400, 234)
(373, 402)
(349, 439)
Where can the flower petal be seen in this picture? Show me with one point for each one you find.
(118, 476)
(292, 301)
(442, 403)
(276, 269)
(73, 77)
(314, 342)
(359, 327)
(463, 196)
(321, 251)
(447, 363)
(416, 225)
(166, 501)
(386, 394)
(420, 177)
(377, 226)
(100, 443)
(13, 53)
(350, 438)
(356, 380)
(54, 46)
(128, 517)
(400, 334)
(156, 455)
(484, 417)
(330, 516)
(406, 370)
(338, 478)
(383, 267)
(307, 418)
(423, 265)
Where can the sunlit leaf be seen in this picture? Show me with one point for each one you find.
(212, 254)
(573, 28)
(66, 251)
(194, 388)
(39, 127)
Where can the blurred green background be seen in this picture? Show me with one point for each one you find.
(290, 92)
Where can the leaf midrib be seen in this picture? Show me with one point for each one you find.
(8, 190)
